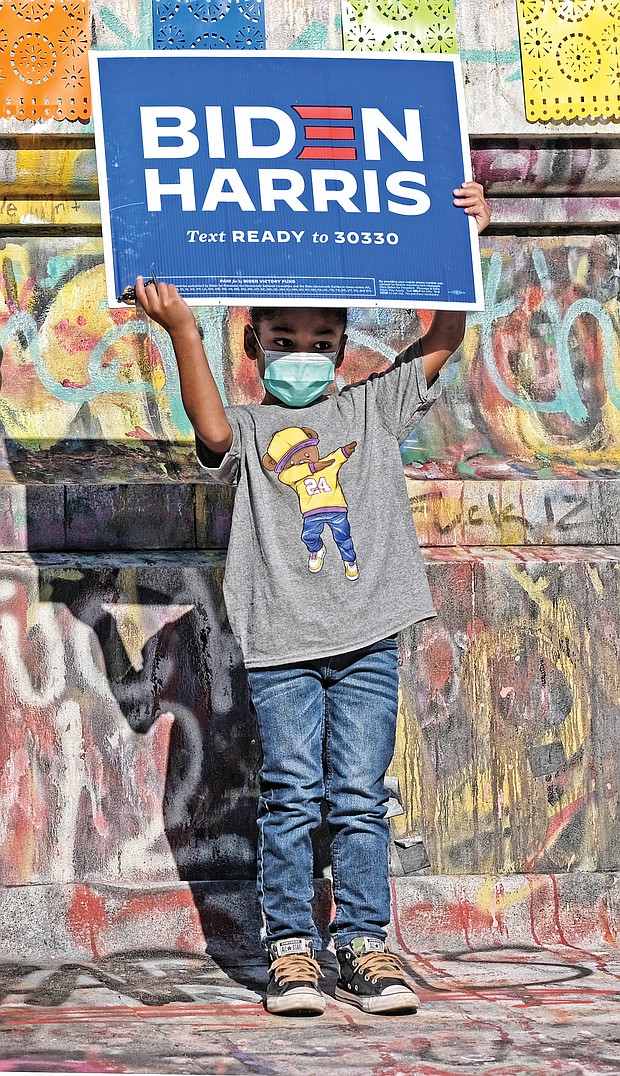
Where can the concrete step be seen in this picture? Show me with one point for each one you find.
(457, 914)
(89, 496)
(129, 754)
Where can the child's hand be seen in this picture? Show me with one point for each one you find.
(470, 196)
(350, 449)
(165, 306)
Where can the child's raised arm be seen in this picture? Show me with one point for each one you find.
(200, 394)
(447, 328)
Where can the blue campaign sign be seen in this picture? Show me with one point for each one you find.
(286, 177)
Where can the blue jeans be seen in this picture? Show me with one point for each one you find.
(327, 729)
(338, 522)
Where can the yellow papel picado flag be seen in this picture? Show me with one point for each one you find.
(570, 52)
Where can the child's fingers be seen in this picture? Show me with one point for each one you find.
(140, 291)
(471, 184)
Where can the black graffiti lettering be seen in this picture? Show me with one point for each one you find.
(473, 518)
(447, 527)
(569, 519)
(504, 515)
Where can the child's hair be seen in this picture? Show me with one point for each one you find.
(268, 313)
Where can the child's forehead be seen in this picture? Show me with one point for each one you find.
(298, 319)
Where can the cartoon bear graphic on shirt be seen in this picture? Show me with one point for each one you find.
(293, 454)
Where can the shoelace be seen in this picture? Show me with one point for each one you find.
(380, 966)
(296, 967)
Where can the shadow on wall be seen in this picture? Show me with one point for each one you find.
(128, 710)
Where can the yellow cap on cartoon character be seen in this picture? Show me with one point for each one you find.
(285, 442)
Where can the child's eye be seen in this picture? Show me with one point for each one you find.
(283, 341)
(322, 345)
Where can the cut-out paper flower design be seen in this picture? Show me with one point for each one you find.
(440, 38)
(358, 40)
(401, 41)
(207, 11)
(72, 42)
(354, 10)
(570, 53)
(74, 77)
(249, 38)
(44, 47)
(33, 10)
(396, 10)
(537, 42)
(441, 9)
(543, 75)
(170, 37)
(250, 9)
(33, 58)
(610, 39)
(532, 9)
(210, 41)
(209, 24)
(167, 12)
(574, 10)
(579, 58)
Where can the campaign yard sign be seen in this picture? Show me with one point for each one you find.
(288, 178)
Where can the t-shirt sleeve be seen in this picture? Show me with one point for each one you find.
(223, 468)
(401, 394)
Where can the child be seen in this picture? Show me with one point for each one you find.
(323, 570)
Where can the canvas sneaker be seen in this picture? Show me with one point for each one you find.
(315, 560)
(351, 569)
(372, 978)
(294, 975)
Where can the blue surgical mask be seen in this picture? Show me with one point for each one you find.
(297, 378)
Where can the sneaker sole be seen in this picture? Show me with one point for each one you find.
(302, 1001)
(406, 1002)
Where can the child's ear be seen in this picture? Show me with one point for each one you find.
(268, 462)
(309, 432)
(340, 352)
(249, 343)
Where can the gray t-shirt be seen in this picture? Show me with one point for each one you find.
(318, 488)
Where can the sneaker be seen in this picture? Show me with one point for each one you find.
(372, 978)
(351, 570)
(315, 560)
(294, 978)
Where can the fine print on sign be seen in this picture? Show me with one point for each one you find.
(286, 177)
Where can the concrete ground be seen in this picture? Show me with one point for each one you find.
(501, 1011)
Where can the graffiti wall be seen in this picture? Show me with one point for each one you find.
(121, 684)
(129, 755)
(534, 389)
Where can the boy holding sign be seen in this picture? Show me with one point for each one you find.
(315, 594)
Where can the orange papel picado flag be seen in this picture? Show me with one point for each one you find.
(44, 60)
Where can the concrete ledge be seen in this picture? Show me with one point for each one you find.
(153, 512)
(82, 921)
